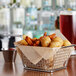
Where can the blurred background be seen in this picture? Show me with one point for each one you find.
(31, 17)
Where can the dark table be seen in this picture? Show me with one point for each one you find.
(16, 69)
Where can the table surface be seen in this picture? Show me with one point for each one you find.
(16, 69)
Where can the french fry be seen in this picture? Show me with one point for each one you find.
(24, 37)
(52, 36)
(45, 34)
(37, 43)
(44, 41)
(29, 41)
(34, 39)
(23, 42)
(41, 37)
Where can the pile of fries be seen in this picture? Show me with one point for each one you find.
(44, 41)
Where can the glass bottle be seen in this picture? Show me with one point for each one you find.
(47, 16)
(60, 4)
(46, 4)
(31, 17)
(17, 28)
(72, 5)
(25, 3)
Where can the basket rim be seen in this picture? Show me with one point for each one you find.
(38, 46)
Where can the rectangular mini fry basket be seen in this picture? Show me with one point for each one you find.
(57, 62)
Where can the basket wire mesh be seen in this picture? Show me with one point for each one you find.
(59, 62)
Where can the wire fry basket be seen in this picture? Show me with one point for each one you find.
(59, 61)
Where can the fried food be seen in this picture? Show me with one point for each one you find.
(45, 34)
(34, 39)
(24, 37)
(52, 36)
(23, 42)
(55, 44)
(58, 39)
(66, 43)
(45, 41)
(37, 43)
(29, 41)
(41, 37)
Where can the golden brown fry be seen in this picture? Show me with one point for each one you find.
(45, 34)
(29, 41)
(24, 37)
(45, 41)
(34, 39)
(41, 37)
(52, 36)
(37, 43)
(23, 42)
